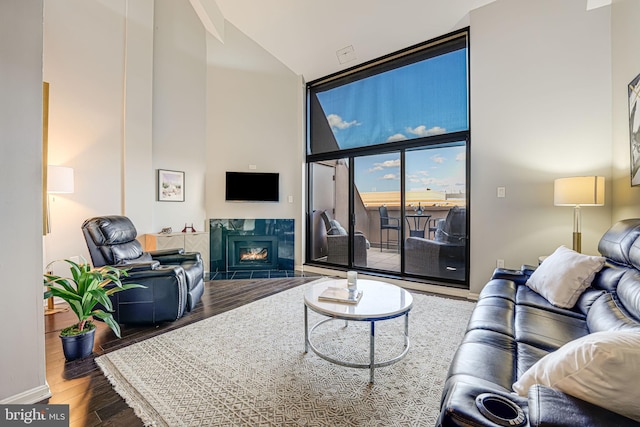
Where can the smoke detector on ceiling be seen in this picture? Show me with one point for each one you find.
(346, 54)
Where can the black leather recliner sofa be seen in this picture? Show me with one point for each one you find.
(513, 327)
(173, 279)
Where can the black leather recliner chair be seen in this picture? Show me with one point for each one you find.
(174, 279)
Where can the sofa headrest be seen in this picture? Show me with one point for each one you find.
(110, 230)
(616, 244)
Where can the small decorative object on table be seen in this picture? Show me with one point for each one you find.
(185, 229)
(343, 295)
(352, 280)
(166, 230)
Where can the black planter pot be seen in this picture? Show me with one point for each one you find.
(78, 346)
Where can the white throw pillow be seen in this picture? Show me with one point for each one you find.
(564, 275)
(602, 368)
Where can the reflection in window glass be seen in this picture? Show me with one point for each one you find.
(330, 212)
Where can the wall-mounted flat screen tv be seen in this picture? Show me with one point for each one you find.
(252, 187)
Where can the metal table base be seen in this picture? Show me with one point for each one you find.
(372, 363)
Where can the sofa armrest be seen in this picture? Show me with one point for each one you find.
(459, 407)
(528, 269)
(137, 276)
(175, 258)
(552, 408)
(516, 276)
(165, 252)
(139, 266)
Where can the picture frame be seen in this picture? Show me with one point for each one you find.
(170, 186)
(634, 129)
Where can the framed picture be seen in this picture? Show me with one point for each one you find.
(634, 129)
(170, 186)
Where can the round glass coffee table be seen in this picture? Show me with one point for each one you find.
(380, 301)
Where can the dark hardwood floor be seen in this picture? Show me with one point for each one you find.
(81, 384)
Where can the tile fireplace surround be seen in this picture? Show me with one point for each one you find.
(251, 248)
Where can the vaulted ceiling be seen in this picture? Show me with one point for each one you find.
(306, 35)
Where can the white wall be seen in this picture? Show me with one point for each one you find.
(626, 66)
(254, 117)
(84, 62)
(540, 110)
(180, 110)
(139, 180)
(126, 99)
(22, 358)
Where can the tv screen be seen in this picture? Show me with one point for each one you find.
(252, 187)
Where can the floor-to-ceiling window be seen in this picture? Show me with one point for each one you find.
(388, 145)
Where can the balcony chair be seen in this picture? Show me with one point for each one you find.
(174, 279)
(444, 255)
(388, 223)
(338, 242)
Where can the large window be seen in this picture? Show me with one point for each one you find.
(388, 160)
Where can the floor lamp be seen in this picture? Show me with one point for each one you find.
(578, 191)
(59, 181)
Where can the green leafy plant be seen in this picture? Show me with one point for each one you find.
(86, 288)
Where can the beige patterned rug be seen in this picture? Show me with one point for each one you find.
(247, 367)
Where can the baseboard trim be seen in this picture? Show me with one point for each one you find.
(29, 397)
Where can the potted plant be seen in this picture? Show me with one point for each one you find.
(86, 288)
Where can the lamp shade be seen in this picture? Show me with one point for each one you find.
(59, 179)
(579, 191)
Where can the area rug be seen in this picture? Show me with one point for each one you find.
(247, 367)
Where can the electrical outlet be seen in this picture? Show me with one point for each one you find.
(500, 263)
(502, 192)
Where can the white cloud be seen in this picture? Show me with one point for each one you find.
(385, 165)
(390, 176)
(461, 157)
(390, 163)
(423, 131)
(396, 137)
(438, 159)
(335, 121)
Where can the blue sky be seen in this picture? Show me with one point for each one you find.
(422, 99)
(438, 169)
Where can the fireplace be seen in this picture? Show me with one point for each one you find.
(252, 252)
(244, 246)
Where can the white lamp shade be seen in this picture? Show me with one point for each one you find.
(59, 179)
(579, 191)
